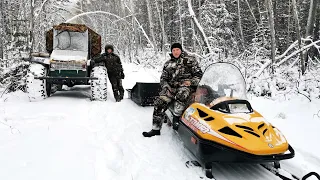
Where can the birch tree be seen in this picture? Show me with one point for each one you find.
(204, 36)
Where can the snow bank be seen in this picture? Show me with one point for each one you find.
(67, 136)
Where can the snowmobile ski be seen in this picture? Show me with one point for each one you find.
(285, 175)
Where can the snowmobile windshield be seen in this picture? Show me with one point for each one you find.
(220, 80)
(69, 40)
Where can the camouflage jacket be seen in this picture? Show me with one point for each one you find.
(176, 71)
(112, 63)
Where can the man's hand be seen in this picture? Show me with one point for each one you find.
(169, 91)
(186, 83)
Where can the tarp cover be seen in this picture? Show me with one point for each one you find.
(95, 38)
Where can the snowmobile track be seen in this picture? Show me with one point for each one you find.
(285, 175)
(236, 171)
(241, 172)
(246, 171)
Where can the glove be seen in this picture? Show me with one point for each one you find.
(122, 75)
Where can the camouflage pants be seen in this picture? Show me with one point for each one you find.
(117, 88)
(162, 103)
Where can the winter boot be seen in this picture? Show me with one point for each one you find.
(117, 98)
(151, 133)
(121, 95)
(175, 123)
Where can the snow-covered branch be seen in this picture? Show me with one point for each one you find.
(97, 12)
(41, 7)
(192, 14)
(293, 45)
(257, 74)
(140, 26)
(298, 51)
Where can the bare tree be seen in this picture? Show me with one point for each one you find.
(32, 3)
(310, 26)
(164, 36)
(151, 25)
(272, 31)
(296, 17)
(1, 29)
(240, 24)
(205, 38)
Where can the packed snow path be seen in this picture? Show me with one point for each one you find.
(69, 137)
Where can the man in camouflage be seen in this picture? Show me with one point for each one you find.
(115, 71)
(180, 77)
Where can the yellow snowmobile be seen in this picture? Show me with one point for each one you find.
(221, 126)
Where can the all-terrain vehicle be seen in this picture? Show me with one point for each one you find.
(70, 49)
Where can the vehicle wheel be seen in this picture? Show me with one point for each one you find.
(99, 86)
(36, 88)
(49, 89)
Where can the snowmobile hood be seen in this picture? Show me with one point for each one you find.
(68, 55)
(246, 131)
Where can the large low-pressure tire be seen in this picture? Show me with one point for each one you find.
(36, 88)
(99, 87)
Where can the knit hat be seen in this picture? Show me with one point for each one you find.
(176, 45)
(108, 46)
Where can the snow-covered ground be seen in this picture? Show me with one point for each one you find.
(69, 137)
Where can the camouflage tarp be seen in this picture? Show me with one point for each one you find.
(94, 37)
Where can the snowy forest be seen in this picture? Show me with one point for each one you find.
(275, 43)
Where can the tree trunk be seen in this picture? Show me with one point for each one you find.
(164, 36)
(2, 31)
(193, 37)
(259, 9)
(164, 30)
(272, 32)
(205, 39)
(134, 32)
(275, 20)
(151, 25)
(296, 17)
(199, 7)
(31, 25)
(289, 24)
(180, 23)
(140, 26)
(316, 34)
(255, 19)
(240, 24)
(310, 26)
